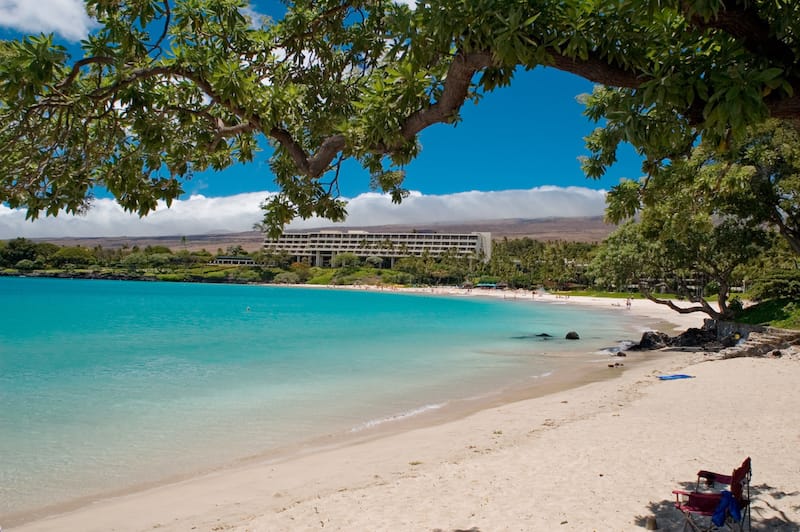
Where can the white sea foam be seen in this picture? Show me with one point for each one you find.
(396, 417)
(621, 346)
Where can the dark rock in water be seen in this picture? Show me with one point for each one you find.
(622, 354)
(542, 336)
(651, 340)
(572, 335)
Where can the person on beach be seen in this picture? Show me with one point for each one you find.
(628, 303)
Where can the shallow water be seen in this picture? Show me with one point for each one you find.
(109, 384)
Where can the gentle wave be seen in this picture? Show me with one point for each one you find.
(397, 417)
(623, 345)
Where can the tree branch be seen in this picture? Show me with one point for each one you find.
(703, 307)
(327, 151)
(296, 151)
(168, 17)
(781, 106)
(743, 22)
(456, 89)
(76, 68)
(231, 131)
(598, 70)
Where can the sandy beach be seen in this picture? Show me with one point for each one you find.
(603, 456)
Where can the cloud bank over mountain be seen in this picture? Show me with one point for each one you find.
(203, 215)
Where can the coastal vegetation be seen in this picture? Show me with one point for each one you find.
(626, 265)
(708, 217)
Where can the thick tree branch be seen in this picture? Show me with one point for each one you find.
(781, 106)
(325, 155)
(703, 307)
(790, 233)
(311, 166)
(296, 151)
(224, 131)
(598, 71)
(456, 90)
(741, 20)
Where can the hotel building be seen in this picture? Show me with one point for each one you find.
(319, 247)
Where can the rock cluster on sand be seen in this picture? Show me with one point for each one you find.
(728, 340)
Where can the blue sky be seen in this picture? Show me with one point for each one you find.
(525, 135)
(515, 154)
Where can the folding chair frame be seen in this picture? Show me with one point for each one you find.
(705, 504)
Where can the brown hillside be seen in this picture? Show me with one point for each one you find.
(592, 229)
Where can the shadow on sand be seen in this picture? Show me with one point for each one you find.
(764, 502)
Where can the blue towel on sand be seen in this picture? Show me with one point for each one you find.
(674, 377)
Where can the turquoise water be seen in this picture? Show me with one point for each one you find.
(109, 384)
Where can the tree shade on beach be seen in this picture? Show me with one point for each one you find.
(169, 87)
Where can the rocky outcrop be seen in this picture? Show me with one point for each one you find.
(770, 341)
(695, 337)
(724, 340)
(651, 340)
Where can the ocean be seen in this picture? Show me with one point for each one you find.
(107, 385)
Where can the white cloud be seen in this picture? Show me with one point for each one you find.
(196, 215)
(257, 19)
(67, 18)
(200, 214)
(540, 202)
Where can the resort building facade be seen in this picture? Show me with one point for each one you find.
(317, 248)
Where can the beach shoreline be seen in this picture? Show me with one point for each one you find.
(437, 475)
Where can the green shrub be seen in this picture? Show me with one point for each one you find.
(395, 277)
(783, 313)
(173, 277)
(286, 278)
(26, 265)
(215, 276)
(322, 277)
(779, 284)
(246, 275)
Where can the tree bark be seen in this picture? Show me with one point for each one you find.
(702, 307)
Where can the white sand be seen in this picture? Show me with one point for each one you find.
(603, 457)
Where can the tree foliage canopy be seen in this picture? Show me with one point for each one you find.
(687, 253)
(756, 180)
(169, 87)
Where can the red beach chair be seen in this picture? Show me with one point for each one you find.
(709, 478)
(696, 503)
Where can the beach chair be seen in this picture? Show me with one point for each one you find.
(729, 509)
(709, 479)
